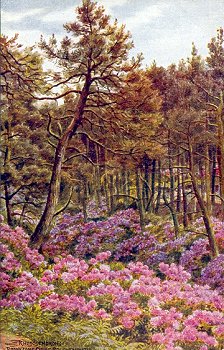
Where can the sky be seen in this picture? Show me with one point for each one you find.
(163, 30)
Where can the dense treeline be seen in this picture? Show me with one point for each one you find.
(102, 127)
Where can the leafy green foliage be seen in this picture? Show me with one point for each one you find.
(41, 326)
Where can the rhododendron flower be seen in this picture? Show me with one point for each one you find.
(103, 256)
(127, 322)
(180, 310)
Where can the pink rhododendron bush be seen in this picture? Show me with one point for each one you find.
(102, 303)
(121, 235)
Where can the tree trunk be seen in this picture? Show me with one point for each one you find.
(150, 205)
(206, 219)
(123, 186)
(204, 211)
(128, 183)
(85, 198)
(213, 180)
(97, 191)
(171, 172)
(208, 181)
(111, 191)
(173, 213)
(140, 200)
(178, 206)
(107, 198)
(41, 232)
(8, 206)
(23, 211)
(220, 150)
(159, 188)
(6, 167)
(117, 188)
(185, 217)
(146, 183)
(97, 177)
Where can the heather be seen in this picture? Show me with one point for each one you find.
(105, 284)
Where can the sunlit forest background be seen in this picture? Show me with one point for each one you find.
(112, 192)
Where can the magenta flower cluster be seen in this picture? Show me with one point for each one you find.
(180, 311)
(18, 240)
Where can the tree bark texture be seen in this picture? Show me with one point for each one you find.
(41, 232)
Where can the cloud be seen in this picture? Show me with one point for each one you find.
(9, 17)
(62, 16)
(68, 14)
(110, 4)
(146, 15)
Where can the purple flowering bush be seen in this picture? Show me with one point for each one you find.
(160, 308)
(213, 274)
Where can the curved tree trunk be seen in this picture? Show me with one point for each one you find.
(41, 232)
(202, 205)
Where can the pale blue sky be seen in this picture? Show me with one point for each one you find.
(163, 30)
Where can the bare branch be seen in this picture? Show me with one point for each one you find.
(49, 128)
(56, 97)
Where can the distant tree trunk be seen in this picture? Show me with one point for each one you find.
(78, 191)
(171, 172)
(124, 187)
(85, 198)
(159, 192)
(8, 205)
(150, 205)
(117, 188)
(208, 181)
(213, 180)
(111, 193)
(173, 213)
(201, 172)
(96, 186)
(178, 206)
(140, 200)
(146, 163)
(185, 217)
(23, 211)
(97, 177)
(153, 183)
(220, 148)
(128, 183)
(22, 215)
(105, 183)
